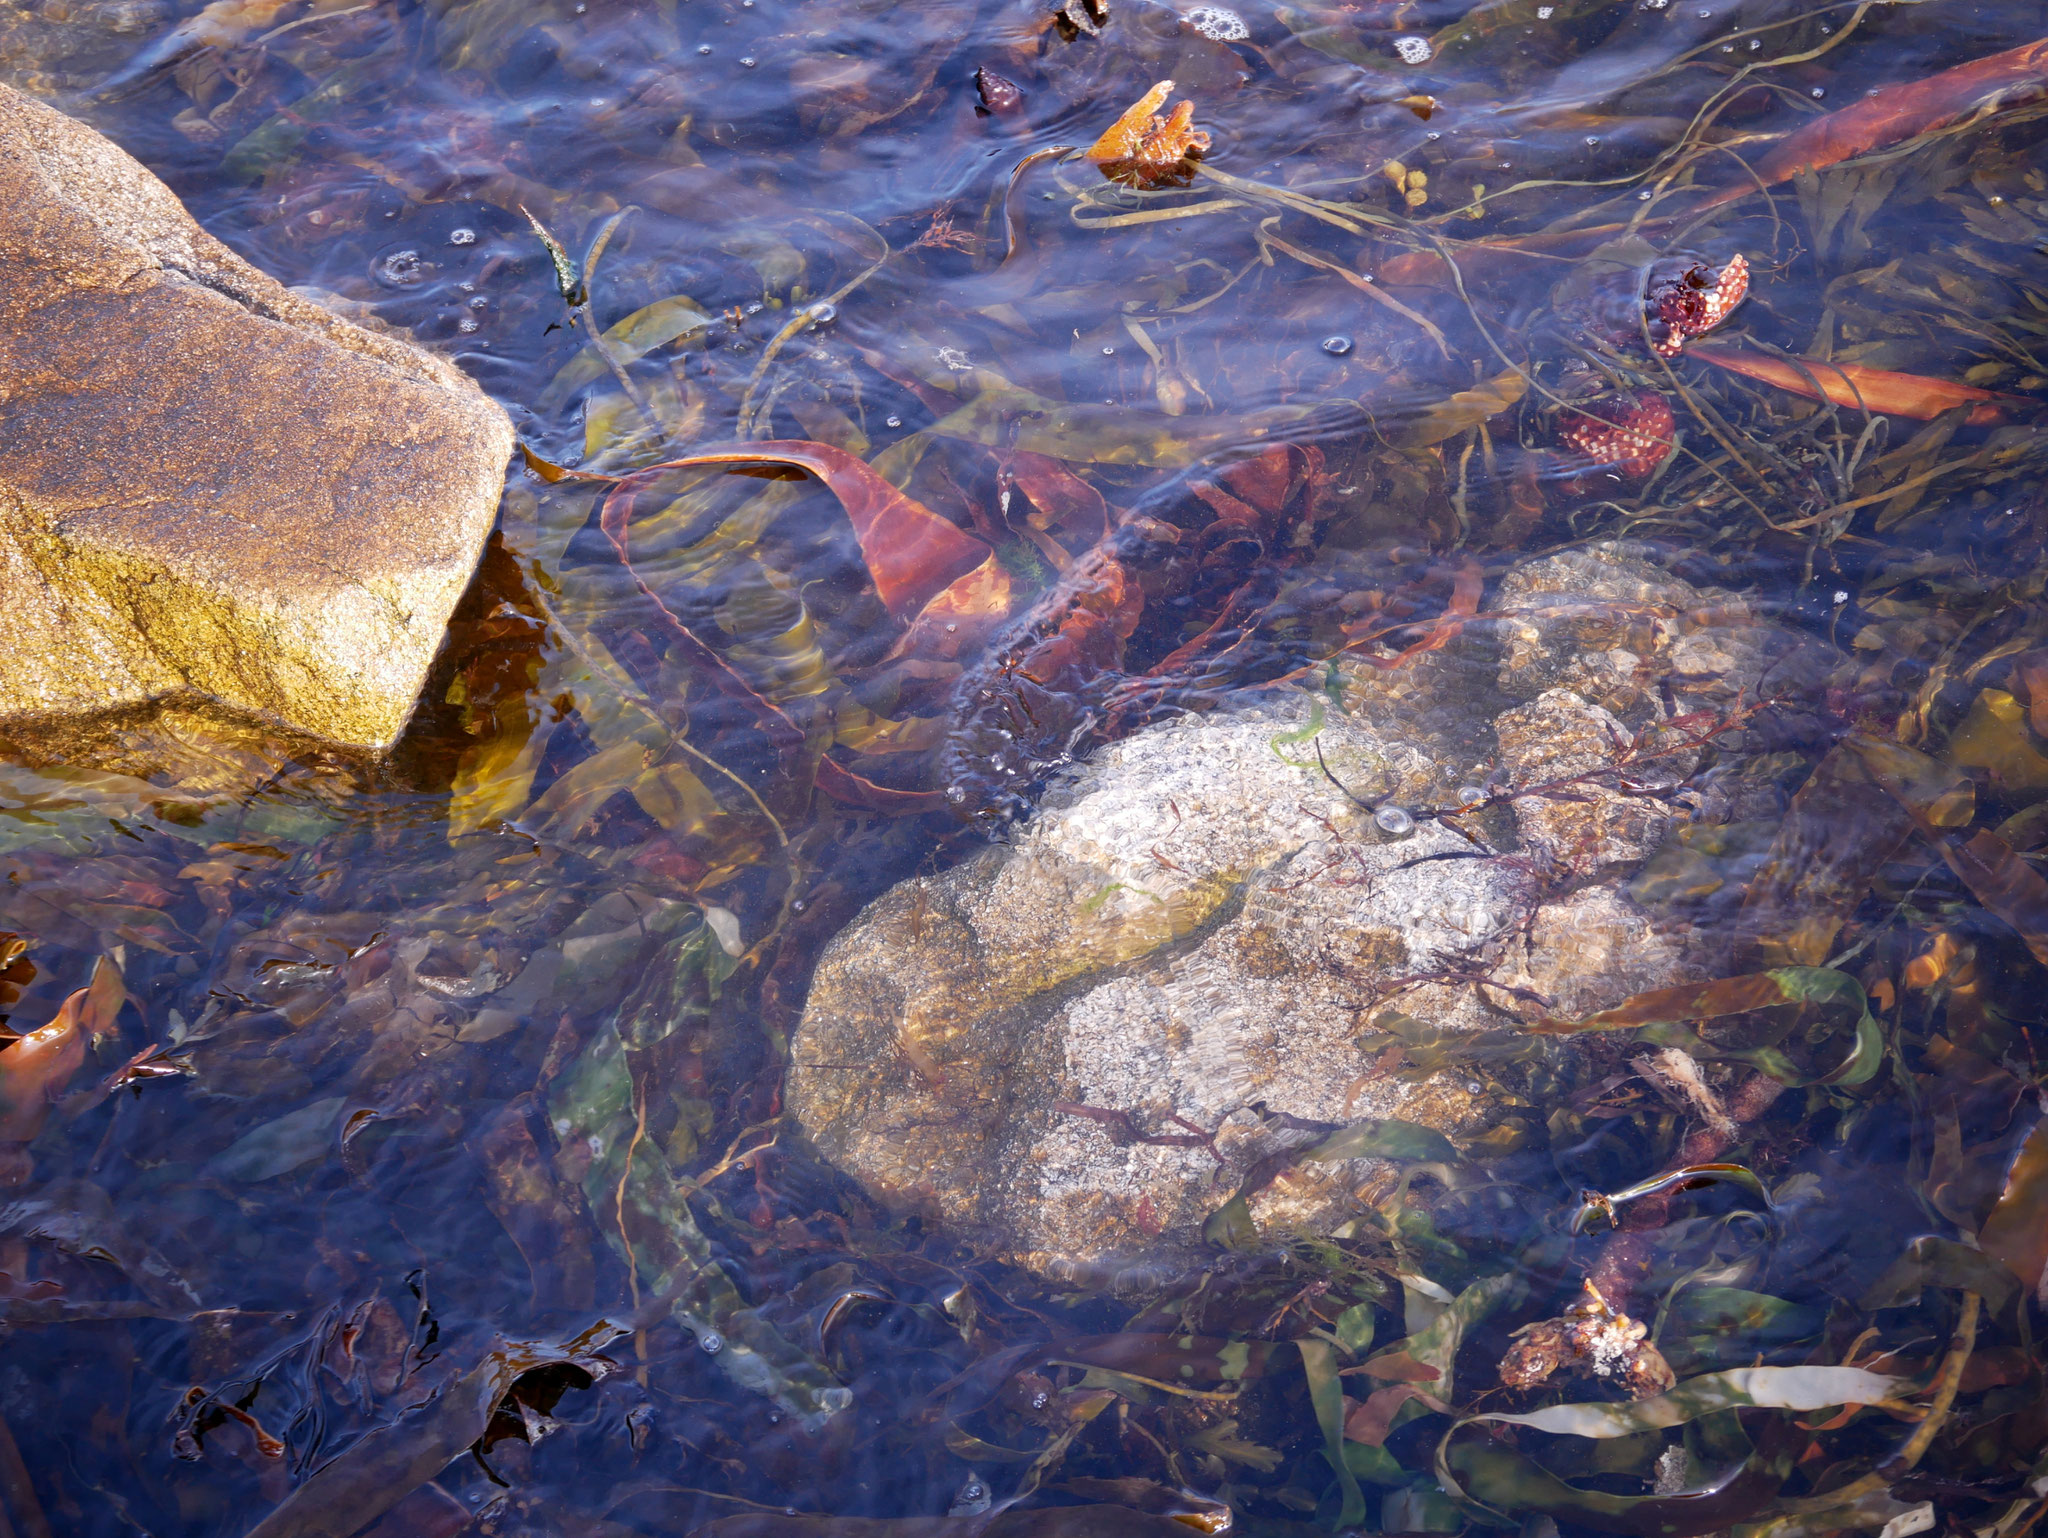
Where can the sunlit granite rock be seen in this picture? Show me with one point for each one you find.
(1198, 931)
(217, 498)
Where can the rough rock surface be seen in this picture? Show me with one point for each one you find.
(1195, 934)
(216, 496)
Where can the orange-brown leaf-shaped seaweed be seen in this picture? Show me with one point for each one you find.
(1142, 149)
(1856, 388)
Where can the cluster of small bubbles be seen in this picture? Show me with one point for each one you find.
(711, 1343)
(703, 48)
(956, 794)
(1545, 12)
(824, 313)
(1392, 819)
(1413, 50)
(892, 420)
(1217, 24)
(1336, 346)
(1109, 352)
(467, 324)
(399, 269)
(749, 63)
(462, 237)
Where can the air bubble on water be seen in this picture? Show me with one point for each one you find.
(1217, 24)
(749, 63)
(835, 1398)
(1545, 12)
(403, 268)
(1392, 819)
(755, 308)
(1469, 795)
(797, 905)
(822, 313)
(466, 325)
(711, 1342)
(703, 48)
(1413, 50)
(892, 421)
(1704, 15)
(462, 237)
(1432, 136)
(1474, 1087)
(1841, 595)
(1818, 92)
(1336, 346)
(956, 794)
(1592, 141)
(1109, 352)
(1755, 43)
(1645, 195)
(1727, 48)
(479, 303)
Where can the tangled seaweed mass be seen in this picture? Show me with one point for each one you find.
(916, 400)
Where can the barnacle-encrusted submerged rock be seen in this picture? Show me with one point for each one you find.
(218, 499)
(1192, 938)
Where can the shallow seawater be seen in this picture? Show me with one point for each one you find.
(392, 1069)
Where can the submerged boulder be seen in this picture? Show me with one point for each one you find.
(217, 497)
(1175, 982)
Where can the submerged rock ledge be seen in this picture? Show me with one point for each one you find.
(216, 498)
